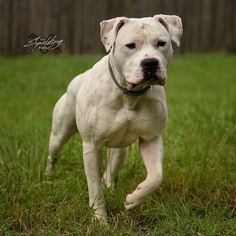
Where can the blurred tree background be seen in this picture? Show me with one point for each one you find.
(209, 25)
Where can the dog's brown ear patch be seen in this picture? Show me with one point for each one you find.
(109, 30)
(173, 24)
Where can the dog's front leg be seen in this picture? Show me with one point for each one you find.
(92, 161)
(152, 154)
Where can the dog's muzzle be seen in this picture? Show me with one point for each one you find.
(151, 71)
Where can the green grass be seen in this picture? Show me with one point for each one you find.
(198, 194)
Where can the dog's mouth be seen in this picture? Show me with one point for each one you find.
(149, 79)
(154, 79)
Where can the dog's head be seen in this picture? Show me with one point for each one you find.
(142, 47)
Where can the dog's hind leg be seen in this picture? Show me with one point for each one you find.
(115, 160)
(63, 127)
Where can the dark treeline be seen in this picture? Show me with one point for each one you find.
(209, 25)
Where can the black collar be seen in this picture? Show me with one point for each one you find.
(125, 90)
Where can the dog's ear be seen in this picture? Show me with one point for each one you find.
(109, 30)
(173, 24)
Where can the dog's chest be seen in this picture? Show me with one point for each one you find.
(123, 127)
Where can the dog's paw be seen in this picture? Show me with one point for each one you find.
(48, 171)
(100, 215)
(133, 200)
(108, 182)
(136, 197)
(139, 194)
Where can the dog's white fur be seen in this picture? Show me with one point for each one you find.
(105, 117)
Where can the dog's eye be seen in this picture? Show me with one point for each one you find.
(130, 45)
(161, 43)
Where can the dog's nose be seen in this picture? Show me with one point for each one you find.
(150, 63)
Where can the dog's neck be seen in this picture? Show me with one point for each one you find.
(131, 102)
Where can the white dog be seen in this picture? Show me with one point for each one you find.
(119, 100)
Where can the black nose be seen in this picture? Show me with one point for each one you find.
(150, 63)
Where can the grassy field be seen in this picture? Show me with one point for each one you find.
(198, 194)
